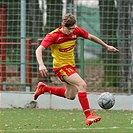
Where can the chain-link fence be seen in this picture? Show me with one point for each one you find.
(24, 23)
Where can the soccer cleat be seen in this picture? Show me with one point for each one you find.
(39, 90)
(91, 118)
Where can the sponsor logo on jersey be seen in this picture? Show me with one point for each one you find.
(66, 49)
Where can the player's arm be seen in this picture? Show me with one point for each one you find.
(99, 41)
(42, 67)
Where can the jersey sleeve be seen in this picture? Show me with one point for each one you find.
(82, 33)
(48, 40)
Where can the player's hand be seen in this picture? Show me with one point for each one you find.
(43, 71)
(112, 49)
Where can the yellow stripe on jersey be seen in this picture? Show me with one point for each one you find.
(54, 31)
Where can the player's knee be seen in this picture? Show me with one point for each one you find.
(82, 86)
(71, 98)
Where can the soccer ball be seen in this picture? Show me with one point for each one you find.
(106, 100)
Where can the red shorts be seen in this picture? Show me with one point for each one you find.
(64, 71)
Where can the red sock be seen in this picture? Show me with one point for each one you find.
(58, 91)
(82, 96)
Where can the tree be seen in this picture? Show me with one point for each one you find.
(123, 42)
(54, 14)
(36, 19)
(108, 26)
(130, 81)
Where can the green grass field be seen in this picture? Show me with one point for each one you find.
(63, 121)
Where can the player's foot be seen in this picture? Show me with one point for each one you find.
(91, 118)
(39, 90)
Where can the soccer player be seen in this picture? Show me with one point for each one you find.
(62, 43)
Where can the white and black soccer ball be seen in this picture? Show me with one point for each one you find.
(106, 100)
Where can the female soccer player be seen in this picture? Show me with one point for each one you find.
(62, 43)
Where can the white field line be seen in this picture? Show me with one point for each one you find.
(66, 129)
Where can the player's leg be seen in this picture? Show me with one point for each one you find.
(71, 91)
(42, 88)
(68, 91)
(76, 81)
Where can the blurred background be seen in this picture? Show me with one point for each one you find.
(24, 23)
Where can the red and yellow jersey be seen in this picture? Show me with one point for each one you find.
(62, 45)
